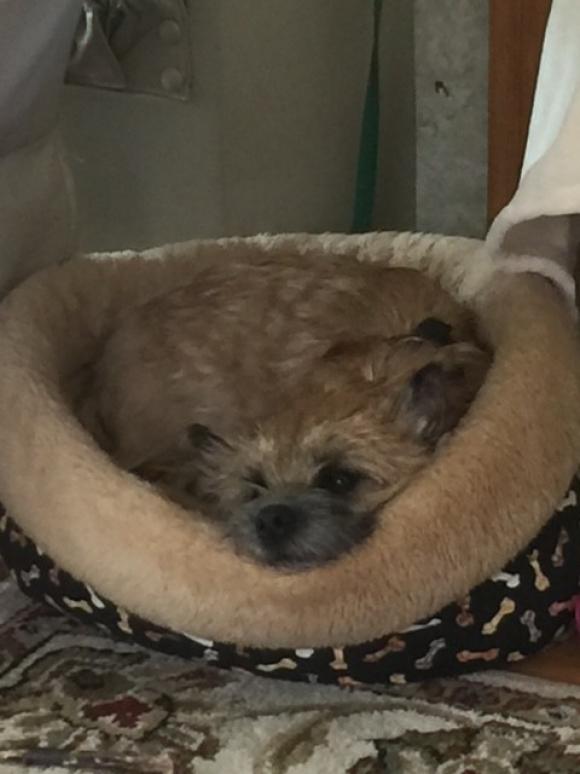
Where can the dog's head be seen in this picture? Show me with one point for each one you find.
(306, 485)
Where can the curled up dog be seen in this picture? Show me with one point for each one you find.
(292, 446)
(306, 485)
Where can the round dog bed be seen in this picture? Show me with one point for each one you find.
(98, 543)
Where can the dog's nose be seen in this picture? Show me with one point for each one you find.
(276, 523)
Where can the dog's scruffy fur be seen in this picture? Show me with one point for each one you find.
(287, 400)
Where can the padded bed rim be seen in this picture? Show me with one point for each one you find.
(489, 492)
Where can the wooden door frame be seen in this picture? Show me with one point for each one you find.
(516, 35)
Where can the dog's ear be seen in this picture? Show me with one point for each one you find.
(438, 394)
(352, 348)
(428, 406)
(368, 357)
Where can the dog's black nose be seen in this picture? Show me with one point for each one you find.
(276, 523)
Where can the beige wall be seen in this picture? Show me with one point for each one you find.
(396, 193)
(268, 141)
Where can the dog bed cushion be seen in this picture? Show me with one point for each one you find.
(513, 615)
(97, 543)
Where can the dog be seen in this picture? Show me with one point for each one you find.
(287, 400)
(306, 485)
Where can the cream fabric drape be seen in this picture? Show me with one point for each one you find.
(542, 222)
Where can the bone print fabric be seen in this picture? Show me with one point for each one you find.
(72, 699)
(508, 617)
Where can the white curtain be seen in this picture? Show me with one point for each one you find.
(543, 218)
(558, 79)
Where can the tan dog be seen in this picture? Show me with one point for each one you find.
(313, 392)
(305, 485)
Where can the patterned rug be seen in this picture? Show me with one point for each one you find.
(73, 700)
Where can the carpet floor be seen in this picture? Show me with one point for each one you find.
(73, 700)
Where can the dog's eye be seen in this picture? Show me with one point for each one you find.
(255, 478)
(337, 480)
(191, 487)
(256, 483)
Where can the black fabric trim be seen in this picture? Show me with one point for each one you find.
(513, 615)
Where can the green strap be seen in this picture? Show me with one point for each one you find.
(366, 175)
